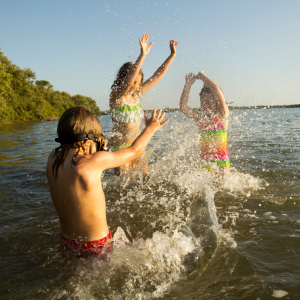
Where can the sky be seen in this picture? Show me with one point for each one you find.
(249, 48)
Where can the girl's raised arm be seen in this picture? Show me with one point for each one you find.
(161, 71)
(134, 71)
(190, 78)
(217, 92)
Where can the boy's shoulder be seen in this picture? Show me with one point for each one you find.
(51, 157)
(52, 154)
(50, 162)
(96, 159)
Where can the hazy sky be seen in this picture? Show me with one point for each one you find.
(250, 48)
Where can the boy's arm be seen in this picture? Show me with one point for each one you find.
(109, 160)
(223, 108)
(189, 112)
(133, 73)
(161, 71)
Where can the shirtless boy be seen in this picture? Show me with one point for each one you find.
(74, 175)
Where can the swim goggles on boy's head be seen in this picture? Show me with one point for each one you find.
(101, 141)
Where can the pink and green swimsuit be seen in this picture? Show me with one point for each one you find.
(213, 145)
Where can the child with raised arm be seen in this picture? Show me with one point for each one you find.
(74, 176)
(126, 111)
(212, 123)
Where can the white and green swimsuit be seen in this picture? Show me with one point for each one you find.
(128, 114)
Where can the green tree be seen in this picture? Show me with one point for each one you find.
(22, 99)
(88, 102)
(43, 83)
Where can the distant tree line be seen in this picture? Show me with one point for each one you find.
(24, 99)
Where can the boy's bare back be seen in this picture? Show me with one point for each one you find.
(75, 182)
(78, 197)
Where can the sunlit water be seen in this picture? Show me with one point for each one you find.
(247, 246)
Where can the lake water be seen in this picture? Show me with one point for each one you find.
(257, 251)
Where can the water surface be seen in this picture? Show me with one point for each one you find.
(258, 209)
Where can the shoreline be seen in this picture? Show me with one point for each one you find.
(30, 121)
(168, 109)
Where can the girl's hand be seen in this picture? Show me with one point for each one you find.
(173, 44)
(199, 75)
(155, 123)
(143, 42)
(190, 78)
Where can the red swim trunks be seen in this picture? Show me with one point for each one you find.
(100, 247)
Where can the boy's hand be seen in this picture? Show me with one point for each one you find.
(155, 123)
(143, 42)
(173, 44)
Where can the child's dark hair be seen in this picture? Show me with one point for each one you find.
(122, 75)
(75, 120)
(205, 91)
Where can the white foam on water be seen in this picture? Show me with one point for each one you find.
(279, 293)
(225, 238)
(143, 269)
(250, 216)
(242, 183)
(157, 260)
(267, 213)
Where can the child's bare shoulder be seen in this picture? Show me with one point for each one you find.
(52, 155)
(98, 159)
(50, 162)
(51, 158)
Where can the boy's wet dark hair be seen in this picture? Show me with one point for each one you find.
(75, 121)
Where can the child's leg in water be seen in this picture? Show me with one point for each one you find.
(226, 171)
